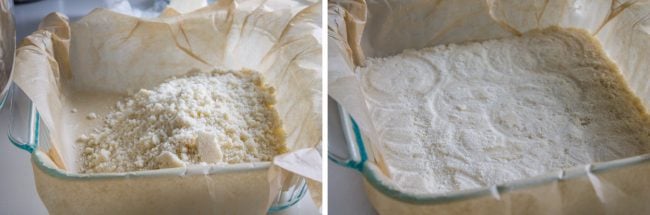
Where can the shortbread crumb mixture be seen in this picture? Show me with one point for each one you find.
(214, 118)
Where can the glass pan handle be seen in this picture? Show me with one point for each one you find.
(352, 159)
(24, 123)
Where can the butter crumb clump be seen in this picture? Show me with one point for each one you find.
(219, 117)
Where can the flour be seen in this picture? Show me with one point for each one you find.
(91, 116)
(457, 117)
(217, 118)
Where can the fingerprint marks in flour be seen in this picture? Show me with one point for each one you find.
(413, 76)
(537, 105)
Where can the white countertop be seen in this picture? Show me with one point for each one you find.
(17, 190)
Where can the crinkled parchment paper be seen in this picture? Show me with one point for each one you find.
(360, 29)
(92, 63)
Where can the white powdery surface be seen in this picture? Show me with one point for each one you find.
(456, 117)
(218, 117)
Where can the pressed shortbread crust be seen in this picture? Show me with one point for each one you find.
(457, 117)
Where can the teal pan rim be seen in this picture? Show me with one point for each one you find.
(3, 99)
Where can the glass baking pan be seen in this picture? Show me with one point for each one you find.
(387, 198)
(26, 132)
(234, 189)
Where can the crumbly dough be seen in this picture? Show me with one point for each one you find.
(457, 117)
(221, 117)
